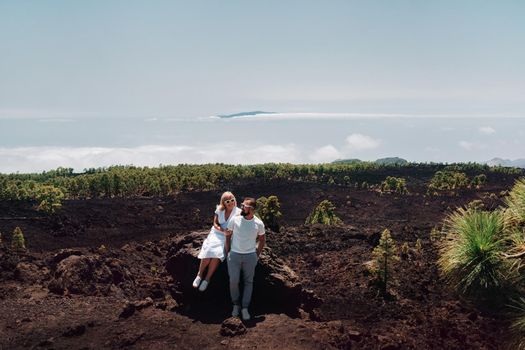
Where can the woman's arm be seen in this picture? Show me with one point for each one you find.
(216, 224)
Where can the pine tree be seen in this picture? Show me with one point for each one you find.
(435, 234)
(419, 246)
(268, 210)
(405, 249)
(18, 242)
(324, 214)
(385, 256)
(50, 198)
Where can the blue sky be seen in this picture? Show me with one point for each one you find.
(74, 65)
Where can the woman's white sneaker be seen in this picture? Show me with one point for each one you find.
(204, 285)
(197, 281)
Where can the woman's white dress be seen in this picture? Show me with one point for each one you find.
(213, 245)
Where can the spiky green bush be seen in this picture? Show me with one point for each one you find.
(515, 201)
(518, 324)
(324, 214)
(268, 210)
(476, 204)
(18, 242)
(471, 255)
(515, 218)
(385, 256)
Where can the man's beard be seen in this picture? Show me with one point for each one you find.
(243, 213)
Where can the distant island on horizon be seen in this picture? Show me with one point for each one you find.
(243, 114)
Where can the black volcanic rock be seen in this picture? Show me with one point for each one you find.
(232, 326)
(276, 286)
(90, 275)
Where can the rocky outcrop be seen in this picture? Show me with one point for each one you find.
(276, 287)
(30, 273)
(53, 260)
(90, 275)
(231, 327)
(8, 263)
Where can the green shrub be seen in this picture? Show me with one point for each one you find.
(493, 197)
(18, 242)
(419, 246)
(471, 256)
(50, 198)
(479, 180)
(405, 249)
(435, 235)
(268, 210)
(385, 256)
(324, 214)
(394, 184)
(448, 180)
(196, 214)
(476, 204)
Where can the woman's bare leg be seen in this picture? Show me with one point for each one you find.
(212, 267)
(204, 263)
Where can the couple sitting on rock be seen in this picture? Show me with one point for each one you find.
(235, 232)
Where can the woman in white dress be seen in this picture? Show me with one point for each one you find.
(212, 251)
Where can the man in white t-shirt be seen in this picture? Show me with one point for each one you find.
(244, 252)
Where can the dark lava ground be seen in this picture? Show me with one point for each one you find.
(121, 296)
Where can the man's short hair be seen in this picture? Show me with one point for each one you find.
(251, 201)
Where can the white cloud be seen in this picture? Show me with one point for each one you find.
(471, 146)
(36, 159)
(325, 154)
(358, 142)
(466, 145)
(486, 130)
(432, 149)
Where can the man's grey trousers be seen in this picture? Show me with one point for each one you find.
(244, 263)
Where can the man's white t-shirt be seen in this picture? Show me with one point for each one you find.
(244, 234)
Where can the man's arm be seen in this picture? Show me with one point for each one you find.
(228, 234)
(228, 241)
(260, 245)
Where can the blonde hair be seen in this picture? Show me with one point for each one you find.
(223, 198)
